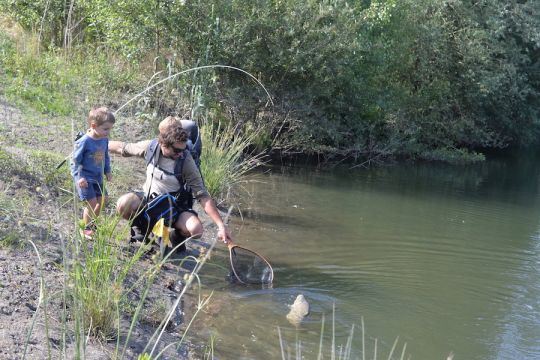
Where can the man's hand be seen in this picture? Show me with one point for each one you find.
(210, 208)
(83, 184)
(224, 235)
(116, 147)
(109, 176)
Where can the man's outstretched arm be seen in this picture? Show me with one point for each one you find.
(129, 149)
(210, 208)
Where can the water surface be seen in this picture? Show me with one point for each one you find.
(447, 258)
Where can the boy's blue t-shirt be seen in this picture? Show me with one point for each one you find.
(91, 159)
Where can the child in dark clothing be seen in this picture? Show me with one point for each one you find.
(90, 161)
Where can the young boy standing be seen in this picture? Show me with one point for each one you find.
(90, 161)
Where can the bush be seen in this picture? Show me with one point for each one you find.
(347, 77)
(452, 156)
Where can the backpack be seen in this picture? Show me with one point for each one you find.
(184, 198)
(162, 206)
(194, 143)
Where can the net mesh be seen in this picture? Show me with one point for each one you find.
(249, 267)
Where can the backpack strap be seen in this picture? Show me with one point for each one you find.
(178, 167)
(152, 154)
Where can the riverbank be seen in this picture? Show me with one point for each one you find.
(37, 231)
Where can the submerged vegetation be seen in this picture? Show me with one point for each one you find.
(429, 79)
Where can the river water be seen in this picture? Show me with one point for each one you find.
(445, 257)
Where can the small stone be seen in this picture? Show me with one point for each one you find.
(6, 310)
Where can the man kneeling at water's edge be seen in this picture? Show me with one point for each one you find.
(165, 155)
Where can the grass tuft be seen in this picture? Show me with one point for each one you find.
(333, 350)
(97, 277)
(42, 164)
(226, 158)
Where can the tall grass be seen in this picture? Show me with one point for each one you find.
(226, 157)
(9, 236)
(99, 291)
(14, 212)
(58, 85)
(98, 276)
(42, 301)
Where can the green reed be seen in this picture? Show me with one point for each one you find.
(334, 351)
(226, 158)
(97, 277)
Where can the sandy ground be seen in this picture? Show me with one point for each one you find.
(33, 315)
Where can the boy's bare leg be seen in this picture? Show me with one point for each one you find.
(91, 210)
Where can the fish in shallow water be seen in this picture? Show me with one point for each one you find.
(298, 310)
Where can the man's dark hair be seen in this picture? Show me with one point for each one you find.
(174, 133)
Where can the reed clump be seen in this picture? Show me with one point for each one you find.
(97, 278)
(106, 288)
(226, 158)
(331, 350)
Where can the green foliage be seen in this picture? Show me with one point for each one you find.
(393, 77)
(463, 84)
(45, 17)
(56, 85)
(39, 97)
(40, 82)
(10, 239)
(39, 165)
(302, 52)
(10, 234)
(452, 156)
(13, 211)
(8, 163)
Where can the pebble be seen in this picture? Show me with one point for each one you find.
(6, 310)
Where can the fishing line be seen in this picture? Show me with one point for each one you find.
(191, 70)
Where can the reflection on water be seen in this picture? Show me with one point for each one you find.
(448, 258)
